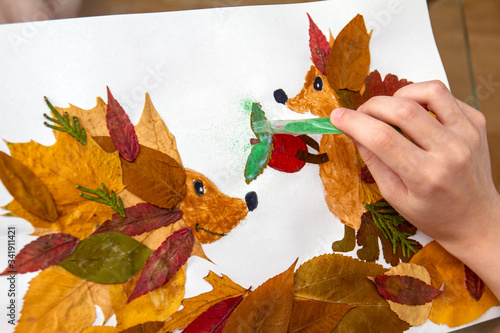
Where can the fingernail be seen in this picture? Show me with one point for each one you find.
(337, 113)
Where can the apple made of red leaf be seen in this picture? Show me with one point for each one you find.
(284, 155)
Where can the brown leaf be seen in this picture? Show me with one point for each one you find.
(475, 286)
(223, 288)
(455, 306)
(349, 60)
(347, 243)
(313, 316)
(27, 188)
(267, 309)
(336, 278)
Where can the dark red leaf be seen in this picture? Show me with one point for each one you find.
(405, 289)
(366, 175)
(374, 86)
(43, 252)
(215, 318)
(475, 286)
(139, 219)
(121, 130)
(320, 48)
(164, 262)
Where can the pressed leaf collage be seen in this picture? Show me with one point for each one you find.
(118, 216)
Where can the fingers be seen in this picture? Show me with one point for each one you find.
(387, 144)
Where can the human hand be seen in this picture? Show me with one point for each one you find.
(441, 180)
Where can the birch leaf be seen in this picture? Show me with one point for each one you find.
(27, 188)
(61, 167)
(455, 306)
(336, 278)
(223, 288)
(121, 130)
(267, 309)
(107, 258)
(215, 318)
(313, 316)
(43, 252)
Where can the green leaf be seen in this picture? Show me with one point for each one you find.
(261, 151)
(72, 127)
(347, 243)
(107, 258)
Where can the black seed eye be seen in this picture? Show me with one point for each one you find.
(318, 83)
(199, 188)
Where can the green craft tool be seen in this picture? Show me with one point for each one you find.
(296, 127)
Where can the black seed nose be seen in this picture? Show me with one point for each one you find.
(251, 200)
(280, 96)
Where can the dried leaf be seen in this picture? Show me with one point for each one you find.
(404, 289)
(61, 167)
(347, 243)
(313, 316)
(56, 294)
(320, 48)
(223, 288)
(43, 252)
(93, 120)
(215, 318)
(349, 60)
(107, 258)
(413, 314)
(153, 133)
(156, 305)
(336, 278)
(149, 327)
(121, 130)
(475, 286)
(27, 188)
(140, 218)
(164, 262)
(455, 306)
(267, 309)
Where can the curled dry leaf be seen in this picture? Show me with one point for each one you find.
(26, 188)
(267, 309)
(43, 252)
(223, 288)
(454, 306)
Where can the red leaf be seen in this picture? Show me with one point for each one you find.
(374, 86)
(215, 318)
(320, 48)
(475, 286)
(43, 252)
(139, 219)
(405, 289)
(164, 262)
(121, 130)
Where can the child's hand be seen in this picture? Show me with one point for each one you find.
(440, 180)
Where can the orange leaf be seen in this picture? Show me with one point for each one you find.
(349, 60)
(455, 306)
(267, 309)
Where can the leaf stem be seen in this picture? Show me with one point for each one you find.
(114, 201)
(73, 128)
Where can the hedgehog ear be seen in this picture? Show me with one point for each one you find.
(320, 47)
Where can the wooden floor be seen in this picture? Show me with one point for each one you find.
(483, 28)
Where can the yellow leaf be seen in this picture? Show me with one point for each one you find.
(93, 120)
(157, 305)
(454, 306)
(413, 314)
(61, 167)
(101, 329)
(267, 309)
(27, 188)
(223, 288)
(57, 301)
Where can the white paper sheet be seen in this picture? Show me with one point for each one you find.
(199, 67)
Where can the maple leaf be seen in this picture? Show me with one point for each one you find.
(223, 288)
(61, 167)
(455, 306)
(314, 316)
(215, 318)
(320, 48)
(404, 289)
(27, 188)
(121, 130)
(475, 286)
(70, 298)
(140, 218)
(268, 308)
(349, 60)
(107, 258)
(43, 252)
(165, 262)
(336, 278)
